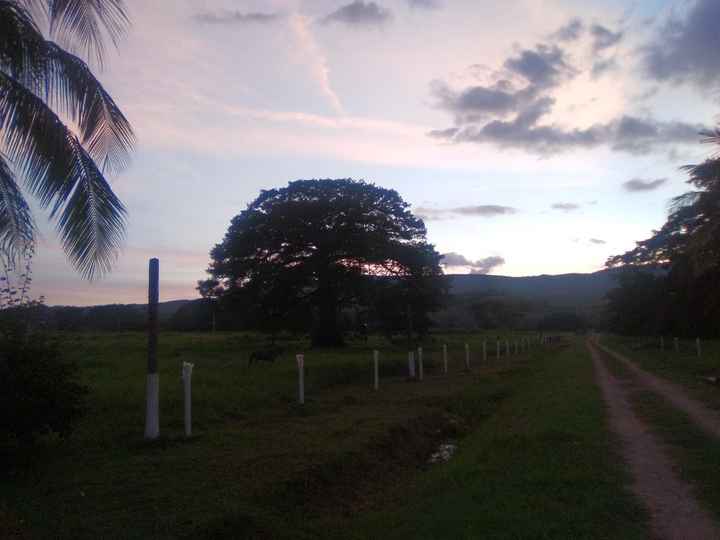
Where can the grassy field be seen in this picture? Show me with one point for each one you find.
(684, 367)
(534, 457)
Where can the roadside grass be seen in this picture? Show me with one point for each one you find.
(695, 454)
(544, 465)
(684, 368)
(256, 458)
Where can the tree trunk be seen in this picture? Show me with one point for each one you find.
(327, 331)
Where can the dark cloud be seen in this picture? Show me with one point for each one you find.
(604, 65)
(565, 207)
(543, 67)
(597, 241)
(481, 266)
(604, 38)
(235, 17)
(686, 49)
(483, 210)
(571, 31)
(628, 134)
(359, 13)
(425, 4)
(638, 184)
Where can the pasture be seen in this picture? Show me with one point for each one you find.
(350, 463)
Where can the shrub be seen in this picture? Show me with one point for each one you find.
(39, 392)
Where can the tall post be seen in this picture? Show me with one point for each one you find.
(445, 359)
(376, 369)
(420, 364)
(301, 378)
(697, 346)
(497, 349)
(662, 343)
(152, 393)
(507, 347)
(467, 356)
(484, 352)
(187, 369)
(677, 345)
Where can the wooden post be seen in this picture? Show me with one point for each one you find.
(187, 369)
(376, 369)
(301, 378)
(420, 364)
(411, 365)
(152, 396)
(697, 346)
(445, 359)
(484, 352)
(677, 345)
(467, 357)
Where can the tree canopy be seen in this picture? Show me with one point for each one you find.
(321, 246)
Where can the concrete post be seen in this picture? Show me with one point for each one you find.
(301, 378)
(411, 365)
(187, 370)
(376, 370)
(421, 370)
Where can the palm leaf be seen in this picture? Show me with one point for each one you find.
(64, 177)
(17, 228)
(87, 22)
(66, 83)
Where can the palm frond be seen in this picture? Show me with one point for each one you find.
(17, 228)
(64, 177)
(86, 22)
(68, 85)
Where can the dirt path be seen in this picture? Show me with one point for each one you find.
(705, 418)
(674, 511)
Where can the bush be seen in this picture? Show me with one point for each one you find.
(39, 392)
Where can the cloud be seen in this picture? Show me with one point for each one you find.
(602, 66)
(481, 266)
(308, 47)
(425, 4)
(483, 210)
(638, 184)
(359, 13)
(597, 241)
(571, 31)
(565, 207)
(685, 49)
(235, 17)
(543, 67)
(604, 38)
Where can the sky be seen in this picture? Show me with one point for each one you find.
(533, 136)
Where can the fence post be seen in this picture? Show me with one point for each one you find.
(497, 350)
(420, 364)
(152, 395)
(467, 357)
(187, 369)
(445, 359)
(301, 378)
(697, 346)
(484, 352)
(677, 345)
(411, 365)
(507, 347)
(376, 369)
(662, 344)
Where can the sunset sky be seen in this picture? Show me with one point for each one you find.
(534, 136)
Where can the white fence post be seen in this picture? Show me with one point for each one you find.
(187, 369)
(376, 369)
(421, 371)
(411, 365)
(445, 359)
(301, 378)
(467, 356)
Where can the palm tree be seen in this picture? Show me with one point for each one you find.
(61, 134)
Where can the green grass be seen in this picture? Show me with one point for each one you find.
(542, 466)
(535, 460)
(684, 368)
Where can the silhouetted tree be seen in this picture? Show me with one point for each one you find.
(315, 244)
(60, 131)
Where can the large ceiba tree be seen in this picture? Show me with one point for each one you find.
(61, 134)
(320, 245)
